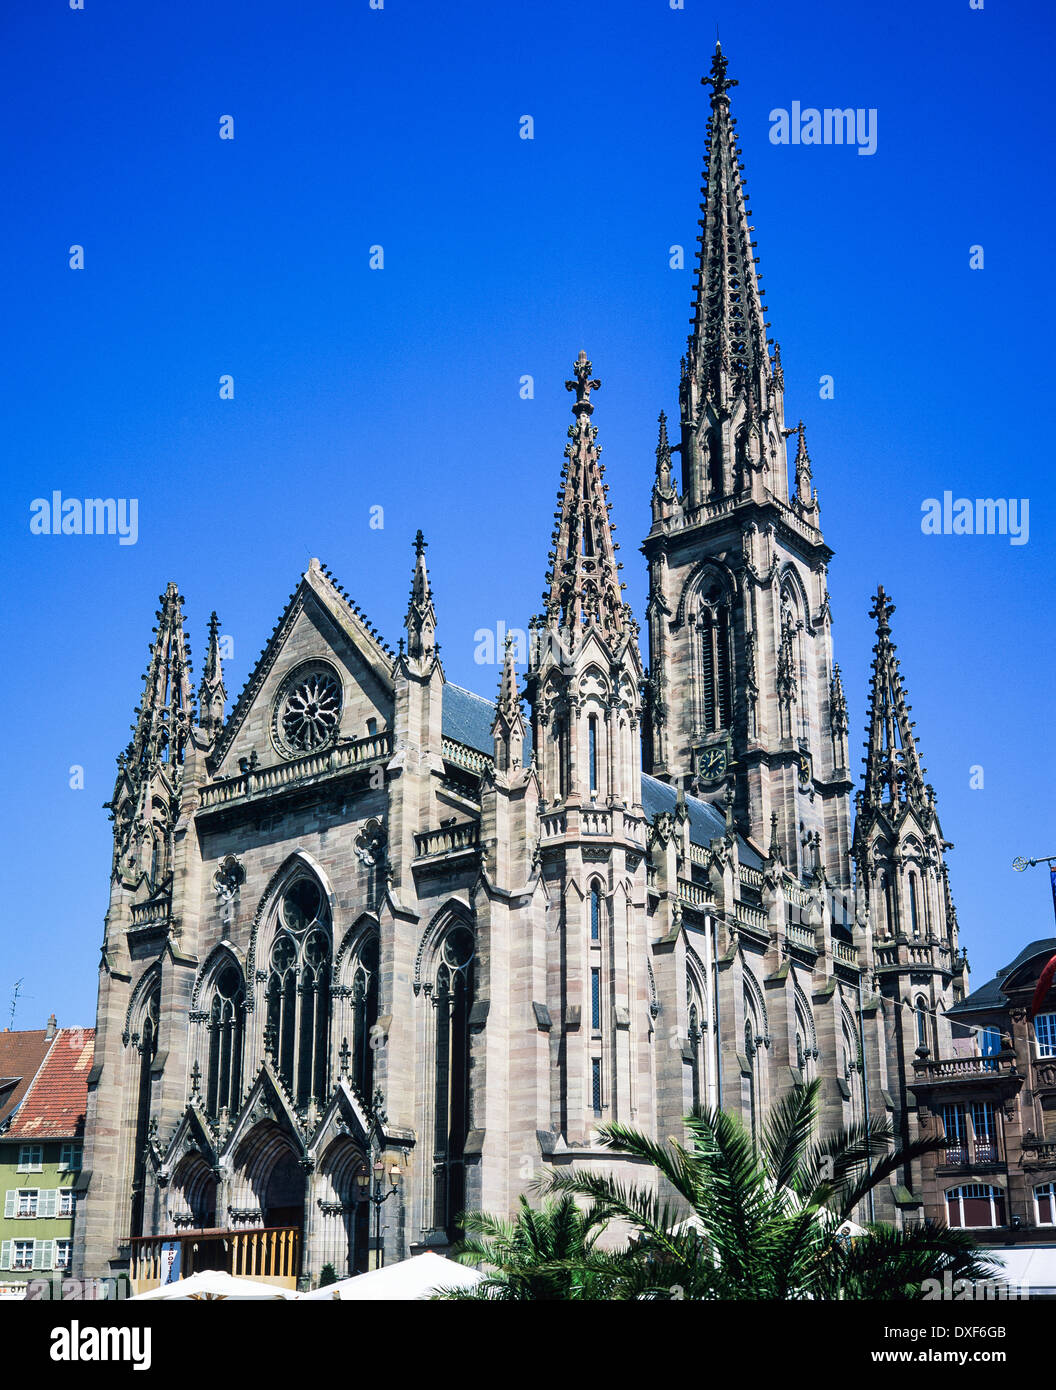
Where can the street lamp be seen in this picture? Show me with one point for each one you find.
(371, 1182)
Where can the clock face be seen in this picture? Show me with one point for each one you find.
(804, 769)
(713, 763)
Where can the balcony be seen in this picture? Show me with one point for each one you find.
(342, 756)
(1000, 1067)
(448, 840)
(270, 1255)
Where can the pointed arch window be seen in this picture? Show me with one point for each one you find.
(148, 1051)
(715, 664)
(914, 910)
(922, 1022)
(592, 751)
(364, 1016)
(298, 992)
(226, 1025)
(453, 998)
(595, 912)
(751, 1052)
(806, 1054)
(694, 1049)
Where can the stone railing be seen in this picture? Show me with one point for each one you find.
(342, 755)
(469, 758)
(449, 839)
(595, 822)
(650, 876)
(553, 823)
(886, 955)
(696, 894)
(754, 918)
(845, 952)
(795, 894)
(962, 1068)
(154, 910)
(799, 935)
(751, 878)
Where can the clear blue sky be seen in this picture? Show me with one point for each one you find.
(399, 388)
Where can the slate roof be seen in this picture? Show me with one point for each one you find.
(991, 995)
(21, 1054)
(467, 718)
(55, 1104)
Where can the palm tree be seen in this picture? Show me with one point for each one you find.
(771, 1220)
(540, 1255)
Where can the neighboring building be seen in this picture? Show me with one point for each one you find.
(41, 1137)
(368, 910)
(993, 1096)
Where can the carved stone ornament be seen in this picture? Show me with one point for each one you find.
(228, 879)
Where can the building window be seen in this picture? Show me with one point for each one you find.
(1045, 1204)
(28, 1202)
(23, 1254)
(914, 915)
(225, 1027)
(922, 1022)
(1045, 1034)
(298, 993)
(988, 1040)
(595, 1000)
(30, 1158)
(67, 1201)
(715, 684)
(592, 745)
(63, 1250)
(975, 1205)
(983, 1126)
(364, 1016)
(453, 1001)
(70, 1158)
(595, 912)
(595, 1084)
(955, 1129)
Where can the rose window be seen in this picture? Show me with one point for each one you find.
(309, 713)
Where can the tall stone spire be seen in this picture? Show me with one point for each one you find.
(164, 718)
(727, 363)
(893, 773)
(150, 771)
(584, 588)
(212, 696)
(508, 727)
(806, 499)
(420, 621)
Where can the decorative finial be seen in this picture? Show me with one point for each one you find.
(419, 544)
(881, 610)
(583, 384)
(717, 78)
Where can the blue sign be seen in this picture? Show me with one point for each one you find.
(170, 1261)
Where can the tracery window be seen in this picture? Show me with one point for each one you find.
(364, 1016)
(308, 709)
(298, 992)
(225, 1027)
(453, 998)
(595, 912)
(148, 1050)
(751, 1052)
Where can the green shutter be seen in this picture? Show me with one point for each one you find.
(10, 1202)
(46, 1254)
(5, 1254)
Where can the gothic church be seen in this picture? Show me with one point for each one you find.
(373, 936)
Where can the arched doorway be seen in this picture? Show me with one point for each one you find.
(345, 1214)
(283, 1199)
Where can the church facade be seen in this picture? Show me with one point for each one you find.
(380, 950)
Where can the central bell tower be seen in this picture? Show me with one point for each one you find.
(742, 690)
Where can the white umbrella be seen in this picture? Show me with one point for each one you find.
(212, 1285)
(419, 1277)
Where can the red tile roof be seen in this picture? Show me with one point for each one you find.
(20, 1057)
(55, 1103)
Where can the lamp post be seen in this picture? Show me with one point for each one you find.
(371, 1182)
(1019, 863)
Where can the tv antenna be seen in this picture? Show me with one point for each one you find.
(14, 1001)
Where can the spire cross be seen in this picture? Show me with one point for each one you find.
(583, 384)
(420, 544)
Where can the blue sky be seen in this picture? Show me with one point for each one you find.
(503, 257)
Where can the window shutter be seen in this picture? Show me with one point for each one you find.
(5, 1254)
(43, 1254)
(10, 1202)
(49, 1202)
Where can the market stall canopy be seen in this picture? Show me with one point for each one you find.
(419, 1277)
(212, 1285)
